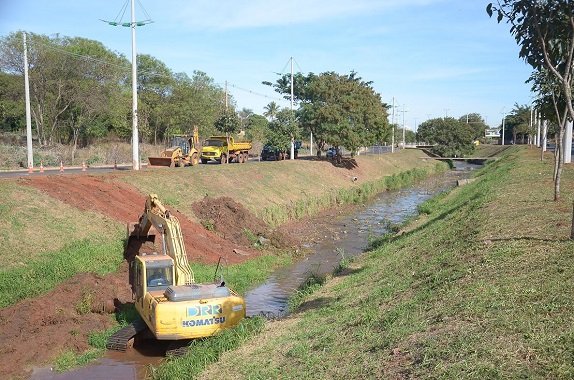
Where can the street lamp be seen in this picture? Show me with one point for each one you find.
(135, 134)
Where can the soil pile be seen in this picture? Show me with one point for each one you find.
(124, 203)
(233, 222)
(36, 330)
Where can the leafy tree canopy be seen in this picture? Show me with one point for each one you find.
(340, 110)
(452, 138)
(281, 129)
(476, 123)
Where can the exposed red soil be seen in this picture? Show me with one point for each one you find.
(233, 222)
(124, 203)
(35, 331)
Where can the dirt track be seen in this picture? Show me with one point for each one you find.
(35, 331)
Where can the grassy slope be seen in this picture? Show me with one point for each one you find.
(269, 184)
(479, 288)
(43, 241)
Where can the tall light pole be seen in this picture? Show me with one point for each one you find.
(135, 133)
(292, 155)
(393, 124)
(403, 111)
(28, 112)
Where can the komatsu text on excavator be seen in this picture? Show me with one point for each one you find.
(166, 296)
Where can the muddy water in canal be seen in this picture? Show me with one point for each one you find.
(343, 236)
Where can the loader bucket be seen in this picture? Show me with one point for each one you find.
(161, 161)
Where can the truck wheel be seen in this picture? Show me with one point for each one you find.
(240, 158)
(204, 161)
(245, 157)
(194, 159)
(223, 159)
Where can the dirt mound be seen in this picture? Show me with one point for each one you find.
(124, 203)
(36, 330)
(233, 222)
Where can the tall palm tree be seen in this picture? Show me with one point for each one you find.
(271, 111)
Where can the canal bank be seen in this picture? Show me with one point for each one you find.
(478, 287)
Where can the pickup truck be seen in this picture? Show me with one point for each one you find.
(215, 148)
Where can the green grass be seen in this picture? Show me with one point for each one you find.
(467, 292)
(43, 273)
(206, 351)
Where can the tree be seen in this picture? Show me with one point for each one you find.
(544, 30)
(244, 115)
(12, 111)
(339, 110)
(282, 129)
(271, 110)
(155, 88)
(453, 138)
(196, 101)
(476, 122)
(228, 123)
(517, 123)
(257, 127)
(66, 74)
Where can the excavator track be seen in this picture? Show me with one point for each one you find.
(120, 339)
(178, 348)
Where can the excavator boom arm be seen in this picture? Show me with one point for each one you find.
(168, 225)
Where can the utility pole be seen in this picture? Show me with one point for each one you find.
(28, 112)
(393, 124)
(403, 111)
(135, 132)
(226, 102)
(292, 155)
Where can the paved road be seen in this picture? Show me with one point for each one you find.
(67, 170)
(109, 168)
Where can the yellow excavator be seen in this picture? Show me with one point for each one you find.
(182, 152)
(171, 304)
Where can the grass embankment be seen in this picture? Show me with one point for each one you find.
(276, 191)
(480, 287)
(45, 241)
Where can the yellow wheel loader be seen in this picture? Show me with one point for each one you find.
(182, 151)
(171, 304)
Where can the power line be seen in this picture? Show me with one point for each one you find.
(255, 93)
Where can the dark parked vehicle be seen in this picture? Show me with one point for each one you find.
(331, 152)
(270, 152)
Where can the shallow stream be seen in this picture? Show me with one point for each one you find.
(343, 236)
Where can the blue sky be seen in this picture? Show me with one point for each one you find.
(435, 57)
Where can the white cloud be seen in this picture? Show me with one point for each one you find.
(232, 14)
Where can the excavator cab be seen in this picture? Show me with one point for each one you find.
(152, 273)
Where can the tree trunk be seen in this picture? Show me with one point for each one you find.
(556, 157)
(559, 168)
